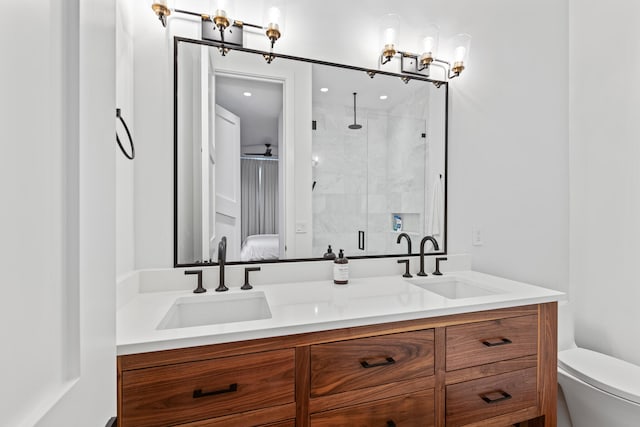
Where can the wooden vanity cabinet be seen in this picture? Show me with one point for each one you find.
(490, 368)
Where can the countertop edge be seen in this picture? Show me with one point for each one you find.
(236, 336)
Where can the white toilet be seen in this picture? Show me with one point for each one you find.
(599, 390)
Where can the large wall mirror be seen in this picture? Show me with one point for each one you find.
(287, 158)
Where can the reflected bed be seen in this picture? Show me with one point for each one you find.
(260, 247)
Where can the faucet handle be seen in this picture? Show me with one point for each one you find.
(247, 285)
(406, 271)
(437, 270)
(199, 289)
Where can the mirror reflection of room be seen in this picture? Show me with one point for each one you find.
(258, 106)
(285, 159)
(378, 162)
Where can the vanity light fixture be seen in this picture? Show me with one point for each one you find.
(219, 24)
(162, 10)
(429, 45)
(420, 63)
(462, 42)
(274, 18)
(221, 10)
(390, 28)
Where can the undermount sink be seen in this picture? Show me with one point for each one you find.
(453, 288)
(216, 309)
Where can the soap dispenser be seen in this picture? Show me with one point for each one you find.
(341, 269)
(330, 254)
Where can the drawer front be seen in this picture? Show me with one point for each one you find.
(366, 362)
(169, 395)
(480, 343)
(484, 398)
(416, 410)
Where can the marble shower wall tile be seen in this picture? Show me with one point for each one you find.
(364, 176)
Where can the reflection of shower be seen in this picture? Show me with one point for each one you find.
(355, 125)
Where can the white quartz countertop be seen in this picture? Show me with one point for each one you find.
(316, 306)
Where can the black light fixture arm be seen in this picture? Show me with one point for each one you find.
(446, 66)
(163, 13)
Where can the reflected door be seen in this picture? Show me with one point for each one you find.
(227, 182)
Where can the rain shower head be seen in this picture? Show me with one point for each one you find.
(355, 125)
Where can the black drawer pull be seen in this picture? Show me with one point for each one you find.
(505, 396)
(502, 341)
(198, 393)
(390, 423)
(388, 361)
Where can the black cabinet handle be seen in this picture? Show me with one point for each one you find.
(199, 393)
(502, 341)
(361, 240)
(390, 423)
(504, 396)
(388, 361)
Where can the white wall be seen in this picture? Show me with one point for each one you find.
(125, 194)
(57, 178)
(508, 150)
(605, 175)
(508, 124)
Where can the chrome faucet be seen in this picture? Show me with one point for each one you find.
(405, 235)
(434, 242)
(222, 257)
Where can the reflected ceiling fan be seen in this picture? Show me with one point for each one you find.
(267, 152)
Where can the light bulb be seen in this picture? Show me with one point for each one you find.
(430, 40)
(390, 26)
(390, 36)
(389, 32)
(273, 18)
(461, 44)
(223, 10)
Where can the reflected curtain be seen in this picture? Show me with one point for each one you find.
(259, 181)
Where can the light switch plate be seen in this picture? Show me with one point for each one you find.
(476, 237)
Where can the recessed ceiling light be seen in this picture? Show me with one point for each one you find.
(383, 97)
(324, 89)
(247, 94)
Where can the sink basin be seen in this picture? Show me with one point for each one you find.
(453, 288)
(216, 309)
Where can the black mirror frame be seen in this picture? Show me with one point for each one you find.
(372, 73)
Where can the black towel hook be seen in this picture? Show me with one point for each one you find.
(133, 148)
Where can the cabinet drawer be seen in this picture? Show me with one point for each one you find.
(416, 410)
(169, 395)
(487, 342)
(366, 362)
(489, 397)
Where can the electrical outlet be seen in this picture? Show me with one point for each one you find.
(476, 237)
